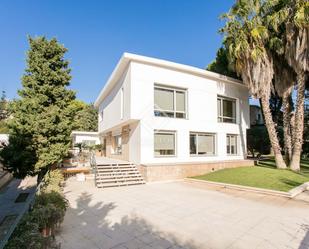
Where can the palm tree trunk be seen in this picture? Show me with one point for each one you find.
(287, 109)
(270, 125)
(299, 123)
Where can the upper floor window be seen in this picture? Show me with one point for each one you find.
(169, 102)
(226, 110)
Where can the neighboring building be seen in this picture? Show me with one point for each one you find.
(85, 137)
(4, 139)
(256, 116)
(171, 119)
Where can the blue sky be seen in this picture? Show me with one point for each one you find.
(98, 32)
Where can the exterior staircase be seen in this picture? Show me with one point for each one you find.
(115, 175)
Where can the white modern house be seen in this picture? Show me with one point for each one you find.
(172, 120)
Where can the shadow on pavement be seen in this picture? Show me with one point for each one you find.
(88, 226)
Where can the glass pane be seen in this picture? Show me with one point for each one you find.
(164, 141)
(233, 149)
(233, 142)
(228, 108)
(219, 107)
(164, 99)
(206, 144)
(180, 102)
(228, 144)
(192, 144)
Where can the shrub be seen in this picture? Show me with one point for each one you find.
(26, 235)
(37, 229)
(52, 181)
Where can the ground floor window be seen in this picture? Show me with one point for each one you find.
(202, 143)
(164, 143)
(231, 144)
(117, 144)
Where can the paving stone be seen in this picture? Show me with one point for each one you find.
(177, 215)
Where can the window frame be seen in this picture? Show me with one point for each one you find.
(196, 134)
(228, 136)
(175, 142)
(220, 117)
(173, 112)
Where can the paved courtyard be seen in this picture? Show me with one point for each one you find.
(178, 215)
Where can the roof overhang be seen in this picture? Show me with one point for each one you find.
(87, 133)
(128, 57)
(119, 126)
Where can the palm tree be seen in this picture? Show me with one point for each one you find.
(246, 38)
(292, 17)
(284, 80)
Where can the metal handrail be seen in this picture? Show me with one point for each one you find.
(93, 164)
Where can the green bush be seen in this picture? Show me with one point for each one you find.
(26, 235)
(49, 209)
(38, 227)
(52, 181)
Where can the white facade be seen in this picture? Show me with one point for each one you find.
(85, 137)
(128, 99)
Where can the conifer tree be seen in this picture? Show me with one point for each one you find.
(42, 120)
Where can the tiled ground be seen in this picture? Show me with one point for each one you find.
(9, 209)
(177, 215)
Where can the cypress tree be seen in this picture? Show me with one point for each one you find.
(42, 118)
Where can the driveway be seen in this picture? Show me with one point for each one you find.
(179, 215)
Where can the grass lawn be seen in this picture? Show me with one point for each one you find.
(263, 176)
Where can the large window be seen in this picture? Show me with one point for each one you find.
(202, 144)
(169, 102)
(231, 144)
(226, 110)
(164, 143)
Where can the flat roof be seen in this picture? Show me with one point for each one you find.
(84, 133)
(128, 57)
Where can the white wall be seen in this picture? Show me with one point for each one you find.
(202, 112)
(111, 105)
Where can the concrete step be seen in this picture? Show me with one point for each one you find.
(120, 174)
(118, 184)
(117, 170)
(114, 175)
(120, 180)
(112, 166)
